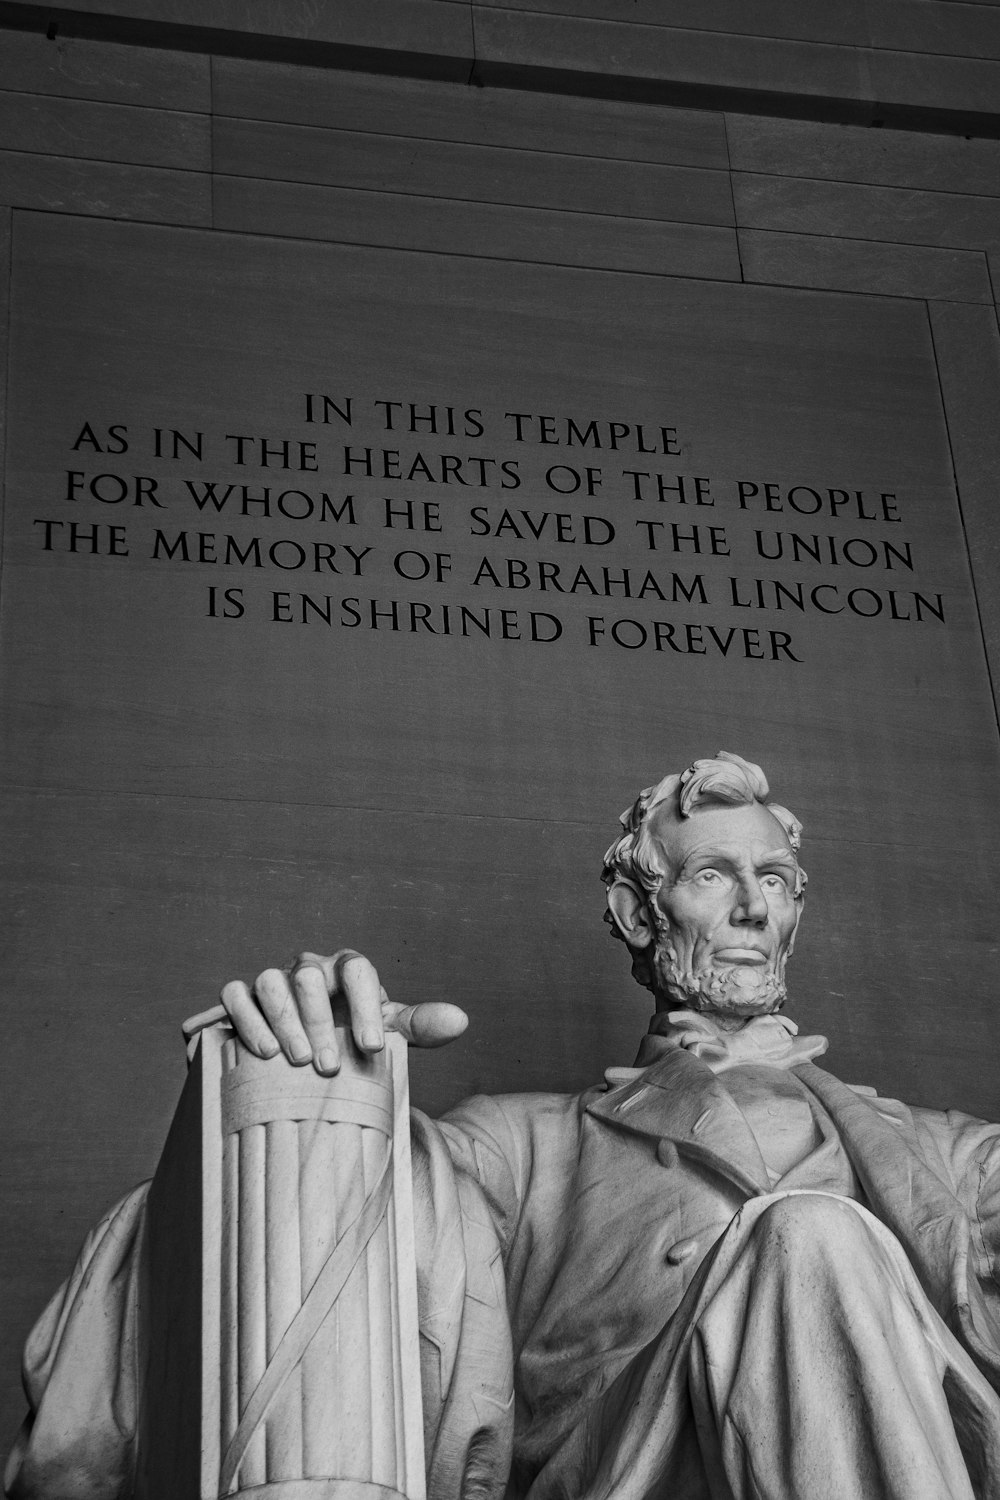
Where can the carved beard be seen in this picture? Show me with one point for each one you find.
(730, 989)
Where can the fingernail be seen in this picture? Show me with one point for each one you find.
(371, 1040)
(328, 1061)
(270, 1049)
(301, 1050)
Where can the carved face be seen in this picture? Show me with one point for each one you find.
(726, 911)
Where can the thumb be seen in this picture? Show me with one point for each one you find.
(432, 1024)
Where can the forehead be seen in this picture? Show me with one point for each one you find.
(744, 832)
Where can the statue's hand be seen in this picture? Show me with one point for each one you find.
(292, 1011)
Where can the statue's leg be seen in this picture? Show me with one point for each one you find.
(818, 1368)
(803, 1363)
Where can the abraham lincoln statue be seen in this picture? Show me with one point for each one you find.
(721, 1273)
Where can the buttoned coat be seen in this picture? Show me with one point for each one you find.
(605, 1205)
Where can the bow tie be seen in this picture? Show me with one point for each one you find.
(771, 1040)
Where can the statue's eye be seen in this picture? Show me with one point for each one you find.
(708, 877)
(773, 882)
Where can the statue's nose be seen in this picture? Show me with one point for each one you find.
(751, 903)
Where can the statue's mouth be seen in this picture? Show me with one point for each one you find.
(740, 956)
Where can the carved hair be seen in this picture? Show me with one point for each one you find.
(726, 780)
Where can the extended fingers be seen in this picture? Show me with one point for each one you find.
(312, 992)
(358, 982)
(250, 1025)
(277, 1000)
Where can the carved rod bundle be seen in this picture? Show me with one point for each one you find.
(319, 1392)
(277, 1327)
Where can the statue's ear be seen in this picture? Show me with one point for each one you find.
(629, 908)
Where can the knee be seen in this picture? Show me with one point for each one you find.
(813, 1226)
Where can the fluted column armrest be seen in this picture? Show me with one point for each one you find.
(278, 1317)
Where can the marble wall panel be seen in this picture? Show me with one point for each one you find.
(914, 80)
(967, 348)
(64, 184)
(506, 39)
(6, 217)
(542, 179)
(952, 28)
(901, 215)
(56, 126)
(428, 110)
(452, 227)
(75, 68)
(848, 398)
(843, 24)
(437, 28)
(853, 153)
(864, 266)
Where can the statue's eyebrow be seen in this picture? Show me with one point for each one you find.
(780, 857)
(783, 857)
(708, 856)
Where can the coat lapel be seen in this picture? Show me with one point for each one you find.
(680, 1100)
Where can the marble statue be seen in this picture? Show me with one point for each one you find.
(721, 1274)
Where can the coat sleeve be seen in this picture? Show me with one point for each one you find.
(80, 1375)
(485, 1147)
(969, 1153)
(465, 1200)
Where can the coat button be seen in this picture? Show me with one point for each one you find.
(682, 1251)
(666, 1154)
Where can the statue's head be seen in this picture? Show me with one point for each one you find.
(705, 888)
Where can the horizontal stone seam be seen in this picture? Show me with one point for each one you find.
(394, 193)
